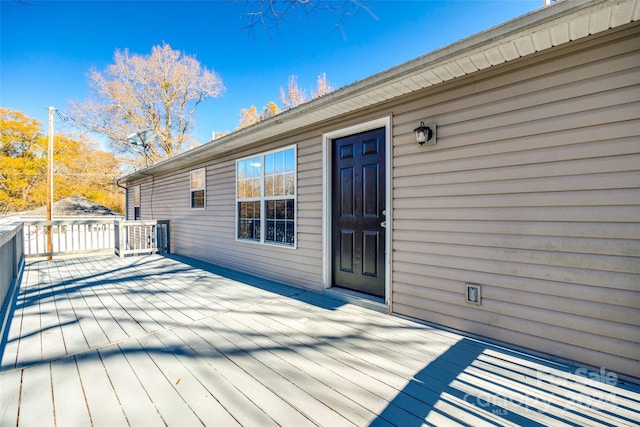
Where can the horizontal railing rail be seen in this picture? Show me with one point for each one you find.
(141, 237)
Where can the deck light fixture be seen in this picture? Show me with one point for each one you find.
(424, 134)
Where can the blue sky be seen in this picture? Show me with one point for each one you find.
(48, 47)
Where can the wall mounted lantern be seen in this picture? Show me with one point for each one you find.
(425, 134)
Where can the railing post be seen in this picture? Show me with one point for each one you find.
(121, 241)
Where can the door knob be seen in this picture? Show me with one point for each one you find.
(383, 224)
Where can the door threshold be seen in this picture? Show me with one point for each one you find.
(357, 298)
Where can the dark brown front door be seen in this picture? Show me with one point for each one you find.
(358, 212)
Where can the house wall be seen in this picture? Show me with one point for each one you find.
(531, 192)
(209, 234)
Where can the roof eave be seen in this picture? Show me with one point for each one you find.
(536, 31)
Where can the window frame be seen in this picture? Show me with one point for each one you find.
(263, 199)
(137, 197)
(192, 190)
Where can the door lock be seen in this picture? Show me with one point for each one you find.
(383, 224)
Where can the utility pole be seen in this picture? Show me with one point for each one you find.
(50, 182)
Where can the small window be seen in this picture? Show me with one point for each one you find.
(266, 198)
(198, 179)
(136, 202)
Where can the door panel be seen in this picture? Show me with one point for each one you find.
(358, 205)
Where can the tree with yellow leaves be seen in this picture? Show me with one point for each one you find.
(249, 116)
(79, 167)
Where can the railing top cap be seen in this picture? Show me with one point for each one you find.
(8, 231)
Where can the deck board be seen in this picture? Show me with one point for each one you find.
(239, 409)
(340, 359)
(68, 390)
(36, 396)
(158, 377)
(277, 376)
(131, 395)
(10, 383)
(155, 341)
(329, 395)
(102, 402)
(186, 377)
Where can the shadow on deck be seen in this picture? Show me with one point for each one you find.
(174, 341)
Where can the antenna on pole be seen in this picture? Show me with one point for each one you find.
(143, 139)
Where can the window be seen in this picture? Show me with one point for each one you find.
(266, 197)
(136, 202)
(198, 179)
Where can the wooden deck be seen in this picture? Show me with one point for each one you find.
(171, 341)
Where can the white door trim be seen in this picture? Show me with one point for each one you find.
(385, 122)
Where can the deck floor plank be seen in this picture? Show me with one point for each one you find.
(282, 356)
(178, 306)
(154, 370)
(68, 394)
(146, 305)
(312, 398)
(136, 403)
(88, 308)
(374, 387)
(202, 365)
(74, 337)
(157, 340)
(101, 399)
(206, 357)
(191, 379)
(36, 397)
(10, 384)
(349, 389)
(231, 364)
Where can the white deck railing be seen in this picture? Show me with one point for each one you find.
(67, 237)
(64, 237)
(141, 237)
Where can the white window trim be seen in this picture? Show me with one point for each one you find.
(204, 189)
(263, 198)
(137, 194)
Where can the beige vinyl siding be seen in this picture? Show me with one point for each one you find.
(210, 234)
(533, 193)
(129, 202)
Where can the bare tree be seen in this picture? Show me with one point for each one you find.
(294, 95)
(157, 92)
(270, 13)
(322, 86)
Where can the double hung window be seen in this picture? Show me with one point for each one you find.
(266, 197)
(198, 183)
